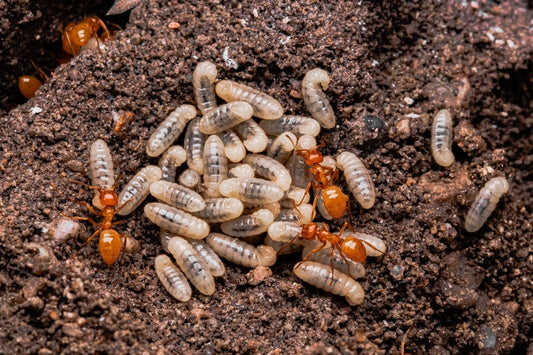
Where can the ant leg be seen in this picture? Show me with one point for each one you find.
(346, 224)
(86, 242)
(317, 249)
(88, 206)
(123, 205)
(83, 184)
(341, 253)
(118, 222)
(88, 219)
(287, 244)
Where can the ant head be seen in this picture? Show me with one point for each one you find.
(354, 249)
(309, 231)
(107, 197)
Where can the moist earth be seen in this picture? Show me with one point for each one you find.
(393, 65)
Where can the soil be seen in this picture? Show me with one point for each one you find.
(393, 66)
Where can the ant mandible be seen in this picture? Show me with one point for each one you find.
(110, 243)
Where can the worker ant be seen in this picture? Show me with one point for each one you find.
(110, 243)
(75, 36)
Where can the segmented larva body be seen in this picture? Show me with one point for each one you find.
(224, 117)
(220, 210)
(273, 207)
(233, 147)
(189, 178)
(193, 143)
(169, 130)
(251, 190)
(287, 248)
(248, 225)
(243, 171)
(374, 246)
(442, 138)
(282, 147)
(304, 214)
(294, 197)
(271, 169)
(177, 196)
(296, 164)
(136, 190)
(297, 125)
(338, 283)
(254, 138)
(284, 231)
(172, 278)
(315, 99)
(485, 203)
(165, 237)
(324, 256)
(357, 178)
(329, 162)
(192, 265)
(215, 165)
(101, 168)
(213, 262)
(170, 160)
(240, 252)
(203, 80)
(264, 106)
(176, 221)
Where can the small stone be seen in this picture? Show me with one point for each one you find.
(257, 275)
(403, 127)
(373, 123)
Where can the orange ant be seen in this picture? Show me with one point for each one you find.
(29, 84)
(110, 243)
(122, 120)
(75, 36)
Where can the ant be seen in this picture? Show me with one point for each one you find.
(335, 201)
(110, 243)
(29, 84)
(75, 36)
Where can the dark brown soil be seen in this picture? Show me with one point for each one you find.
(393, 65)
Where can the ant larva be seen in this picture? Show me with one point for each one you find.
(442, 138)
(485, 203)
(358, 179)
(315, 100)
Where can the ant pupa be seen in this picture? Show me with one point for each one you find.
(203, 80)
(248, 225)
(485, 203)
(193, 143)
(442, 138)
(101, 169)
(297, 125)
(169, 130)
(354, 269)
(192, 265)
(357, 178)
(172, 278)
(241, 171)
(271, 169)
(233, 146)
(252, 190)
(254, 138)
(170, 160)
(224, 117)
(338, 283)
(176, 221)
(282, 147)
(264, 106)
(220, 209)
(136, 190)
(215, 165)
(240, 252)
(189, 178)
(177, 196)
(315, 99)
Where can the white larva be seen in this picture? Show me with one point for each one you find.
(338, 283)
(248, 225)
(189, 178)
(296, 165)
(282, 147)
(215, 165)
(285, 231)
(355, 270)
(220, 210)
(315, 99)
(101, 168)
(170, 160)
(176, 221)
(136, 190)
(243, 171)
(240, 252)
(169, 130)
(172, 278)
(294, 197)
(252, 190)
(177, 196)
(264, 106)
(277, 246)
(192, 265)
(357, 178)
(254, 138)
(442, 138)
(193, 143)
(233, 146)
(297, 125)
(303, 214)
(203, 80)
(224, 117)
(273, 207)
(271, 169)
(485, 203)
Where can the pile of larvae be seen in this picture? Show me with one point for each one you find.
(245, 193)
